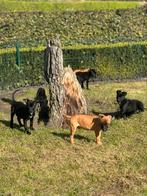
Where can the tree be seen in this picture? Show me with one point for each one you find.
(65, 93)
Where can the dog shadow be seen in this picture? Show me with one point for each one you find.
(15, 126)
(7, 100)
(64, 136)
(115, 115)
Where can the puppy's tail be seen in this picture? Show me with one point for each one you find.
(13, 94)
(8, 100)
(67, 116)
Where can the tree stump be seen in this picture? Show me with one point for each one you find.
(65, 93)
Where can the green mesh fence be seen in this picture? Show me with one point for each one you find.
(24, 66)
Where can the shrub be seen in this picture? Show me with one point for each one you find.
(77, 27)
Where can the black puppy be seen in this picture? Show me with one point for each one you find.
(41, 98)
(84, 76)
(128, 106)
(24, 111)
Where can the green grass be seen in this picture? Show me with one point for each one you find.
(66, 0)
(22, 6)
(45, 163)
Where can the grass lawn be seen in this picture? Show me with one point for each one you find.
(44, 6)
(45, 163)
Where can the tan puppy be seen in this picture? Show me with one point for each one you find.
(90, 122)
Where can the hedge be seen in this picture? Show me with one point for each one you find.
(77, 27)
(112, 62)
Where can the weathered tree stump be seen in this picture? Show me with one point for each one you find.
(65, 93)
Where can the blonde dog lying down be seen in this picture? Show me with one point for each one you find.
(90, 122)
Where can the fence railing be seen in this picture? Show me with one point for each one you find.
(24, 66)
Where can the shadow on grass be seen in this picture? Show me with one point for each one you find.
(115, 115)
(7, 100)
(64, 136)
(15, 126)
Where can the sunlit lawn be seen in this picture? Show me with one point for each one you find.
(15, 6)
(45, 163)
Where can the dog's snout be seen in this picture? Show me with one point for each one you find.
(109, 120)
(104, 127)
(31, 115)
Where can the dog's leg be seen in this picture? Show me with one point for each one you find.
(124, 115)
(19, 121)
(125, 112)
(25, 126)
(82, 84)
(98, 136)
(72, 132)
(31, 124)
(11, 121)
(140, 107)
(87, 82)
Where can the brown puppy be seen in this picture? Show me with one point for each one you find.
(90, 122)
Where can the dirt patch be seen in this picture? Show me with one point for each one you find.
(4, 107)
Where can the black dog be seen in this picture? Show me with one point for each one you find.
(128, 106)
(41, 98)
(84, 76)
(24, 111)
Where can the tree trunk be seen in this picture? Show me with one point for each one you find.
(65, 93)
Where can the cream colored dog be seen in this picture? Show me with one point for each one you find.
(90, 122)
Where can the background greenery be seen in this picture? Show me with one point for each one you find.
(116, 61)
(112, 62)
(87, 27)
(112, 41)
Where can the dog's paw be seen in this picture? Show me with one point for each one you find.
(28, 132)
(32, 128)
(99, 143)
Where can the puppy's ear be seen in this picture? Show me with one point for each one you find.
(118, 92)
(36, 101)
(104, 127)
(101, 115)
(124, 93)
(26, 100)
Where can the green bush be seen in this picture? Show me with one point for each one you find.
(118, 61)
(89, 27)
(113, 62)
